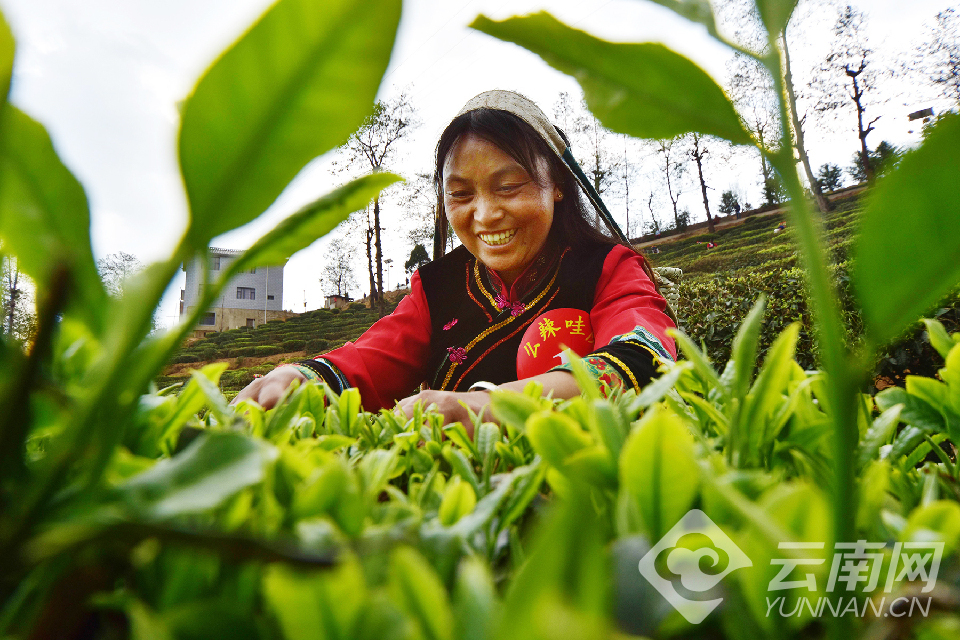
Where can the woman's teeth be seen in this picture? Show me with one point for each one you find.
(501, 237)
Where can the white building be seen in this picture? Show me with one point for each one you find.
(251, 298)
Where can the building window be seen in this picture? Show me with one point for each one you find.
(254, 270)
(215, 263)
(251, 322)
(209, 319)
(246, 293)
(269, 297)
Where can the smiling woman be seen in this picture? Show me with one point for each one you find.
(531, 263)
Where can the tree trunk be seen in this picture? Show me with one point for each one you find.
(822, 203)
(698, 157)
(376, 230)
(373, 283)
(861, 132)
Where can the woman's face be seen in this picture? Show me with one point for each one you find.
(498, 210)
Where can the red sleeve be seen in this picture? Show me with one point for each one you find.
(389, 360)
(625, 298)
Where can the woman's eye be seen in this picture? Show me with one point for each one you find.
(458, 194)
(510, 187)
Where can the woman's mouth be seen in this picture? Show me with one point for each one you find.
(498, 238)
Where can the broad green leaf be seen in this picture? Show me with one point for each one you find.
(655, 391)
(475, 600)
(701, 364)
(295, 86)
(744, 351)
(416, 587)
(937, 521)
(317, 605)
(770, 387)
(7, 48)
(879, 434)
(311, 223)
(939, 338)
(461, 466)
(213, 468)
(320, 493)
(659, 469)
(916, 411)
(458, 500)
(905, 258)
(488, 435)
(44, 217)
(776, 14)
(643, 90)
(513, 408)
(556, 436)
(937, 395)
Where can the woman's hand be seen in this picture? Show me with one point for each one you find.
(270, 388)
(448, 403)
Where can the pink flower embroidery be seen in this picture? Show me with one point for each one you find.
(517, 308)
(457, 354)
(501, 301)
(447, 326)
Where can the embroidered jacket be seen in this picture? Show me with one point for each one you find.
(461, 324)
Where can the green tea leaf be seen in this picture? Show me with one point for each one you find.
(458, 500)
(879, 434)
(939, 520)
(643, 90)
(905, 258)
(416, 587)
(317, 605)
(213, 468)
(701, 364)
(771, 386)
(776, 14)
(744, 352)
(512, 408)
(295, 86)
(7, 48)
(475, 600)
(939, 338)
(44, 218)
(556, 436)
(311, 223)
(659, 469)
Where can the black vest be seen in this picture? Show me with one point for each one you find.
(472, 337)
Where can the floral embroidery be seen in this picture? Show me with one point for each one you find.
(599, 369)
(457, 354)
(450, 324)
(501, 301)
(517, 308)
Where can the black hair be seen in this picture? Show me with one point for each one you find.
(573, 223)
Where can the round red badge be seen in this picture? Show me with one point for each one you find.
(544, 341)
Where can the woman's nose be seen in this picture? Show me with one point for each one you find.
(487, 209)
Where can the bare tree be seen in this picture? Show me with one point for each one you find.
(698, 152)
(114, 270)
(338, 274)
(850, 76)
(373, 146)
(939, 56)
(672, 172)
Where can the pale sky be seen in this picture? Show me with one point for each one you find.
(104, 77)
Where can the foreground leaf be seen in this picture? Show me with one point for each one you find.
(643, 90)
(44, 217)
(213, 468)
(906, 253)
(659, 470)
(292, 88)
(7, 46)
(776, 14)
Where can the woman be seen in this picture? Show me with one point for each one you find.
(506, 185)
